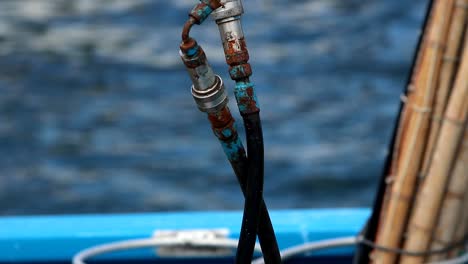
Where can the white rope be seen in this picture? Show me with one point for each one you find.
(81, 256)
(313, 246)
(226, 243)
(341, 242)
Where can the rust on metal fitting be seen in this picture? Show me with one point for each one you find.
(214, 4)
(187, 45)
(220, 118)
(200, 12)
(246, 97)
(186, 30)
(239, 72)
(236, 52)
(237, 58)
(222, 124)
(197, 59)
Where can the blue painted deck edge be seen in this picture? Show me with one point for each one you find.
(58, 238)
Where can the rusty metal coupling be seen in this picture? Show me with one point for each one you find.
(213, 99)
(208, 88)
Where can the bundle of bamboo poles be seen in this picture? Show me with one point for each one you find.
(426, 199)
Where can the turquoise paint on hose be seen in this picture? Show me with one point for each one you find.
(246, 97)
(227, 132)
(232, 148)
(237, 70)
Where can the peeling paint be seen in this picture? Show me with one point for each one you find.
(246, 98)
(241, 71)
(200, 12)
(224, 127)
(233, 148)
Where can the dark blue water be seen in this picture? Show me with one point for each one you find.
(96, 113)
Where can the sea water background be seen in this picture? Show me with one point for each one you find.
(96, 113)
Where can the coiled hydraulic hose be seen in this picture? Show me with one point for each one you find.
(209, 94)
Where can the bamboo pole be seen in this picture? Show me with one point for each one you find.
(430, 196)
(409, 161)
(406, 113)
(402, 125)
(453, 208)
(448, 70)
(402, 128)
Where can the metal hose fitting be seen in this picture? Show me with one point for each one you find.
(228, 18)
(213, 99)
(230, 28)
(208, 89)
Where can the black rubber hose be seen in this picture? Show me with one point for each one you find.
(266, 233)
(254, 195)
(221, 122)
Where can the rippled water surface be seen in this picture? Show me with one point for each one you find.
(96, 113)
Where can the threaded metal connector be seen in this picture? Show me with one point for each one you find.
(208, 88)
(212, 99)
(199, 70)
(228, 18)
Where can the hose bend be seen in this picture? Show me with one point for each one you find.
(186, 30)
(198, 14)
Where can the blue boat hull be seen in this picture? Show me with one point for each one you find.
(55, 239)
(300, 260)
